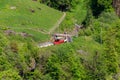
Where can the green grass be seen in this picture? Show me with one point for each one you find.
(80, 12)
(37, 36)
(42, 18)
(76, 15)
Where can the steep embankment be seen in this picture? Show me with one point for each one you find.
(94, 55)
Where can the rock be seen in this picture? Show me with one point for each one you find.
(9, 32)
(32, 64)
(32, 10)
(82, 52)
(13, 7)
(24, 34)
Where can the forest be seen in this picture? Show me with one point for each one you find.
(93, 55)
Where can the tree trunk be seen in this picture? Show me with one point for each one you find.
(116, 5)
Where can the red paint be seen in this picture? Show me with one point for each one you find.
(56, 42)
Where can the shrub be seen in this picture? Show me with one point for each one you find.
(3, 40)
(9, 75)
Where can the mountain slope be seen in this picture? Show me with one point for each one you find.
(25, 15)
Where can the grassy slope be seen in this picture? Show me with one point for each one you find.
(21, 18)
(77, 15)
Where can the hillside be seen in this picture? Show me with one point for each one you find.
(92, 54)
(28, 16)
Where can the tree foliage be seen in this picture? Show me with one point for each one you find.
(64, 65)
(94, 55)
(99, 6)
(62, 5)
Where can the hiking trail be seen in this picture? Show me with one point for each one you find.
(57, 24)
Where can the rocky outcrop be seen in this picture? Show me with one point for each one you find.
(116, 5)
(10, 32)
(22, 34)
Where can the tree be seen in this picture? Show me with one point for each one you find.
(98, 6)
(63, 5)
(63, 64)
(117, 6)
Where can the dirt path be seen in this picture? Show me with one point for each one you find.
(57, 24)
(34, 29)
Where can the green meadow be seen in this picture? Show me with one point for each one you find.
(35, 18)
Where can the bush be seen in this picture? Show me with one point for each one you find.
(63, 64)
(3, 40)
(14, 46)
(9, 75)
